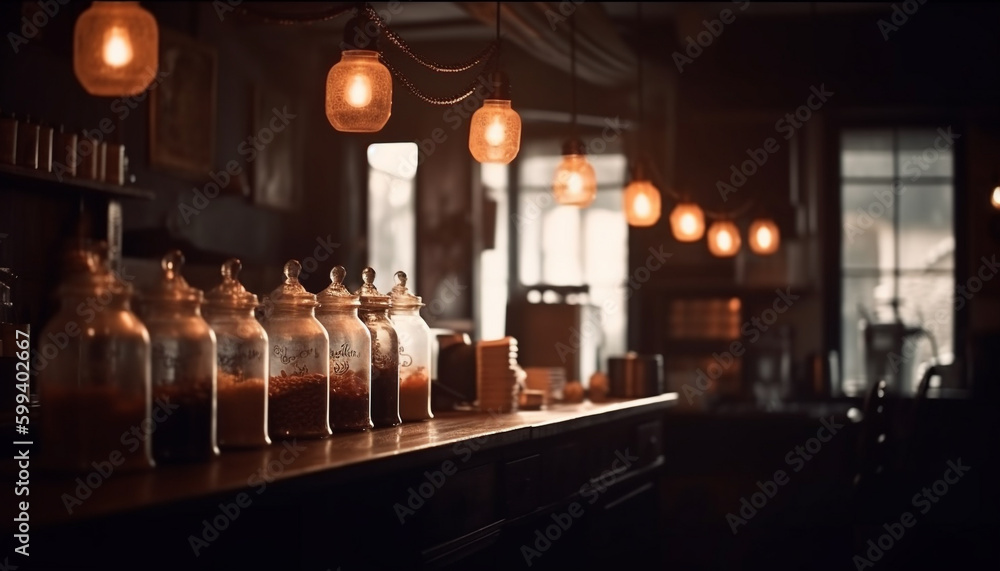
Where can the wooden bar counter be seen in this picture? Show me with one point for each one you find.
(461, 491)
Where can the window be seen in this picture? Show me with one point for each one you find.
(492, 318)
(898, 252)
(392, 220)
(568, 246)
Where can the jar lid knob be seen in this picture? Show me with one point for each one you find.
(400, 279)
(368, 275)
(231, 269)
(172, 263)
(337, 275)
(292, 270)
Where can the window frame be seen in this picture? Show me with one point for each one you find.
(833, 270)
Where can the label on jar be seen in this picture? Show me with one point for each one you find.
(289, 357)
(340, 358)
(381, 358)
(405, 360)
(234, 360)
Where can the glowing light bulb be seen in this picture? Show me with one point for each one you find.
(689, 224)
(724, 240)
(575, 184)
(764, 237)
(117, 48)
(359, 91)
(641, 205)
(995, 199)
(495, 133)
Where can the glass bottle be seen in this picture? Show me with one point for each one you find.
(414, 352)
(93, 372)
(374, 312)
(184, 367)
(299, 384)
(350, 355)
(242, 362)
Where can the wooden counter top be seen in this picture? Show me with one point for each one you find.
(338, 458)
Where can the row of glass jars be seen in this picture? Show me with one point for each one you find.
(174, 386)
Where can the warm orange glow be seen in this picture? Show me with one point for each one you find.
(115, 49)
(495, 132)
(723, 239)
(734, 304)
(358, 93)
(575, 183)
(995, 199)
(687, 222)
(642, 203)
(764, 236)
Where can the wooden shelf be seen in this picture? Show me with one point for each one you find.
(22, 178)
(337, 459)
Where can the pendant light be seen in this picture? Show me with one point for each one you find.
(115, 49)
(575, 183)
(495, 128)
(687, 222)
(764, 236)
(359, 86)
(995, 195)
(723, 239)
(642, 199)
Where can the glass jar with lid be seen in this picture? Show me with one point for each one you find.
(350, 355)
(93, 371)
(183, 367)
(374, 312)
(242, 361)
(299, 383)
(414, 352)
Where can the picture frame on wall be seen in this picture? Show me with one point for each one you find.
(182, 104)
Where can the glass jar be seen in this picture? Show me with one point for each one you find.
(241, 360)
(184, 367)
(414, 352)
(93, 373)
(374, 312)
(350, 355)
(299, 384)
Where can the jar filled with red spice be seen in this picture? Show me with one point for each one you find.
(93, 372)
(183, 367)
(350, 355)
(414, 352)
(299, 347)
(242, 361)
(374, 312)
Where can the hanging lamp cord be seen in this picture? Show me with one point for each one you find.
(572, 66)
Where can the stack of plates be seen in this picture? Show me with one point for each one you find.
(550, 380)
(497, 374)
